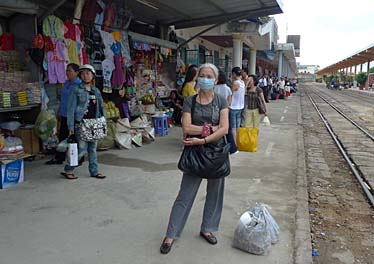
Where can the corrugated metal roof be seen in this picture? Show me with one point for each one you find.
(363, 56)
(182, 13)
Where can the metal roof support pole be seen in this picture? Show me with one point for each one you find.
(252, 61)
(367, 72)
(238, 51)
(361, 67)
(355, 71)
(280, 64)
(78, 10)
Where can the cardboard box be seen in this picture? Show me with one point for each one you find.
(12, 173)
(30, 141)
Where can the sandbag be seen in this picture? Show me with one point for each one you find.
(123, 140)
(109, 141)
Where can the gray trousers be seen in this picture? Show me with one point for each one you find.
(184, 201)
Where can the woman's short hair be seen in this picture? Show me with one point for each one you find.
(222, 78)
(210, 66)
(74, 66)
(255, 79)
(237, 71)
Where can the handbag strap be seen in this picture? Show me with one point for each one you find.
(194, 98)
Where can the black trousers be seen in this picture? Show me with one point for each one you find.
(266, 93)
(62, 135)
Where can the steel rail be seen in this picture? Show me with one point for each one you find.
(366, 188)
(367, 133)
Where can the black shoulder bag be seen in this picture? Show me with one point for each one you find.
(209, 161)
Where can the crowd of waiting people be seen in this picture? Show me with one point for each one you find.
(235, 91)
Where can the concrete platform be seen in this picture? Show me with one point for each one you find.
(123, 218)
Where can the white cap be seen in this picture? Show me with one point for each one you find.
(87, 67)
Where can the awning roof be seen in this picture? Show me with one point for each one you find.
(363, 56)
(182, 13)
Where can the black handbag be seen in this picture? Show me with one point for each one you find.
(209, 161)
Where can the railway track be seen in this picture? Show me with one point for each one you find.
(354, 141)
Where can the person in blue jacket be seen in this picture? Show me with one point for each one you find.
(72, 71)
(85, 102)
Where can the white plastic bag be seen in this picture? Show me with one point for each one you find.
(256, 231)
(73, 154)
(271, 224)
(266, 121)
(252, 236)
(63, 146)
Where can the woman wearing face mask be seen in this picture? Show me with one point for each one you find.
(188, 87)
(210, 110)
(85, 102)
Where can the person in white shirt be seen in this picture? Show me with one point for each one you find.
(222, 88)
(237, 101)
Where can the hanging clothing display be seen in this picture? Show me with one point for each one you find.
(89, 11)
(108, 67)
(53, 27)
(99, 19)
(56, 62)
(71, 46)
(69, 30)
(125, 48)
(118, 77)
(110, 16)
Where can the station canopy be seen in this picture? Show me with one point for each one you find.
(179, 13)
(361, 57)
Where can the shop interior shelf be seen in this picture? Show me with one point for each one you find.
(18, 108)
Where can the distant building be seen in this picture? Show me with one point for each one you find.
(308, 68)
(295, 40)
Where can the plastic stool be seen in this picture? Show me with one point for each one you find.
(161, 125)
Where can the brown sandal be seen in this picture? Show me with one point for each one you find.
(69, 176)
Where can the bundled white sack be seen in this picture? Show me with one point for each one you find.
(266, 121)
(256, 231)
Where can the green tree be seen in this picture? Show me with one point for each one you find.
(371, 70)
(361, 78)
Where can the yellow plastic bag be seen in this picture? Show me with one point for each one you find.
(247, 139)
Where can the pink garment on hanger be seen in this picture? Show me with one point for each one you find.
(56, 62)
(118, 77)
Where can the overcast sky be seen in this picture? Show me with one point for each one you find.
(330, 30)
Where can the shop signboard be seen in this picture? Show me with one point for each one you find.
(12, 173)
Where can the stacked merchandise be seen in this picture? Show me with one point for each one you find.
(22, 98)
(10, 61)
(5, 100)
(12, 149)
(15, 87)
(34, 94)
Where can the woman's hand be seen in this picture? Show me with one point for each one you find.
(193, 141)
(71, 132)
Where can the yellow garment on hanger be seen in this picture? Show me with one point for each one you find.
(72, 51)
